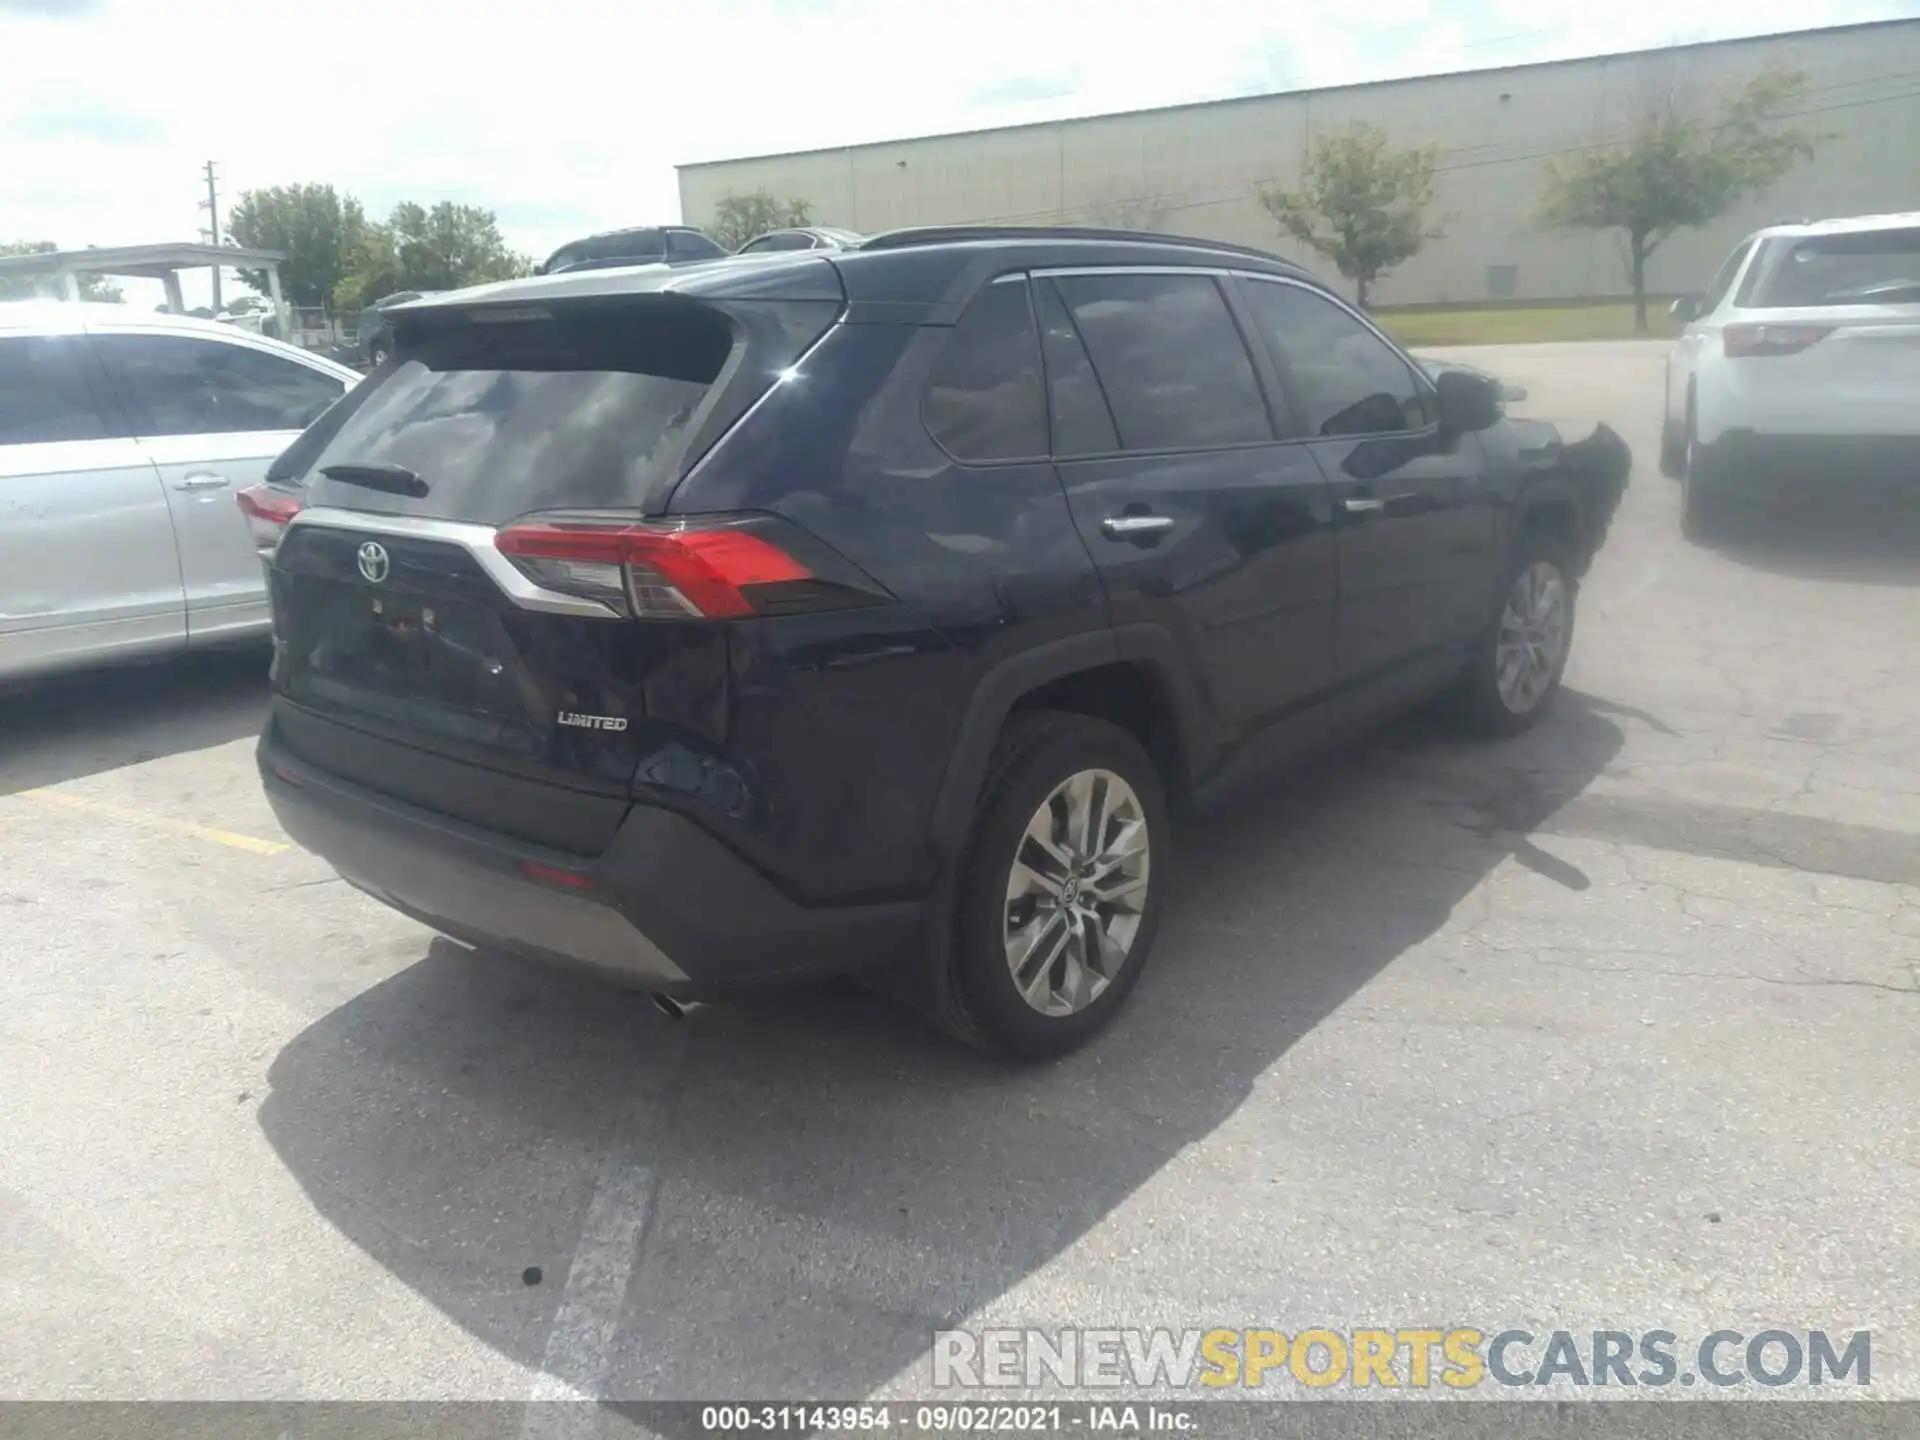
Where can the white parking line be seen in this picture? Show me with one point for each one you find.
(579, 1353)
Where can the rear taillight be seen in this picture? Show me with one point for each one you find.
(269, 510)
(1742, 342)
(700, 570)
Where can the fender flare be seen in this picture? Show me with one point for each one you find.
(1005, 684)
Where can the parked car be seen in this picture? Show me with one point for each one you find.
(644, 245)
(1800, 363)
(376, 325)
(123, 439)
(801, 238)
(779, 617)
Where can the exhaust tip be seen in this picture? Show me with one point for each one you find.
(674, 1009)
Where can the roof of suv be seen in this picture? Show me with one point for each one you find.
(1844, 225)
(937, 269)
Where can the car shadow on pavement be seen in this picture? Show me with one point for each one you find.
(66, 727)
(1852, 540)
(831, 1180)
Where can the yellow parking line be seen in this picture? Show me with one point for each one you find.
(59, 800)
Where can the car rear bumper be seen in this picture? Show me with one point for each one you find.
(666, 908)
(1750, 462)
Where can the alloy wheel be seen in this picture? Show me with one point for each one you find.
(1534, 628)
(1076, 892)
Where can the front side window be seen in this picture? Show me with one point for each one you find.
(1346, 380)
(183, 385)
(779, 240)
(44, 395)
(987, 401)
(1169, 359)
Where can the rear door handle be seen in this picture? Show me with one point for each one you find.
(1363, 505)
(1125, 527)
(201, 480)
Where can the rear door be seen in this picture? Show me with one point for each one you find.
(1414, 508)
(1200, 518)
(410, 649)
(87, 561)
(212, 414)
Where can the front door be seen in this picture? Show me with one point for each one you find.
(1413, 509)
(1199, 519)
(213, 414)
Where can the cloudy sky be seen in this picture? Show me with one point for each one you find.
(566, 116)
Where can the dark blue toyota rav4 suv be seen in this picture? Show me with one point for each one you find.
(870, 610)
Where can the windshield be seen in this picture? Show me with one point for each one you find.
(1870, 267)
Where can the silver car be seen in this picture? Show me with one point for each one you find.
(124, 437)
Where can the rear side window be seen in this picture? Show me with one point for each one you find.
(1082, 423)
(685, 245)
(779, 240)
(1723, 278)
(1868, 267)
(182, 385)
(1169, 358)
(1345, 379)
(987, 400)
(583, 407)
(44, 395)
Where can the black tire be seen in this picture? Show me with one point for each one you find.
(1038, 752)
(1487, 713)
(376, 357)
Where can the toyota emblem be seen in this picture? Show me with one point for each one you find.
(373, 561)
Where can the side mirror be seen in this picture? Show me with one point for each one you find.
(1685, 309)
(1467, 402)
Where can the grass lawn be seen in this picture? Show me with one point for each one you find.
(1513, 324)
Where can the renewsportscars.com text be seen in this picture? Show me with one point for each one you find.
(1459, 1358)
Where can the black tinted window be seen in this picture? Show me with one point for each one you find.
(43, 392)
(583, 408)
(178, 385)
(986, 401)
(778, 241)
(684, 245)
(1170, 359)
(1082, 423)
(1345, 379)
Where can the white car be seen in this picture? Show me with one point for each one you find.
(1800, 364)
(124, 438)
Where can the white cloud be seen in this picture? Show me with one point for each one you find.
(569, 115)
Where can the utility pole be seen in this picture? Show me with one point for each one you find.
(212, 206)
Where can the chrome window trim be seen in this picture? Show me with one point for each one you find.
(476, 540)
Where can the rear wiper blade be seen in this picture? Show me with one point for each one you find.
(394, 479)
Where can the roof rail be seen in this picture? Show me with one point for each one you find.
(946, 234)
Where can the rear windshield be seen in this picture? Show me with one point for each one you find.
(1872, 267)
(556, 409)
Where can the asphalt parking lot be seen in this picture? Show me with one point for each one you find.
(1616, 1025)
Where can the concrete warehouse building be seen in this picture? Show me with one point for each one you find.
(1197, 169)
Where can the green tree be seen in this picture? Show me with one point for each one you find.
(92, 287)
(449, 246)
(1360, 203)
(319, 230)
(739, 218)
(1679, 171)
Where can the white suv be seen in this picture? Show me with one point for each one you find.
(1801, 363)
(124, 438)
